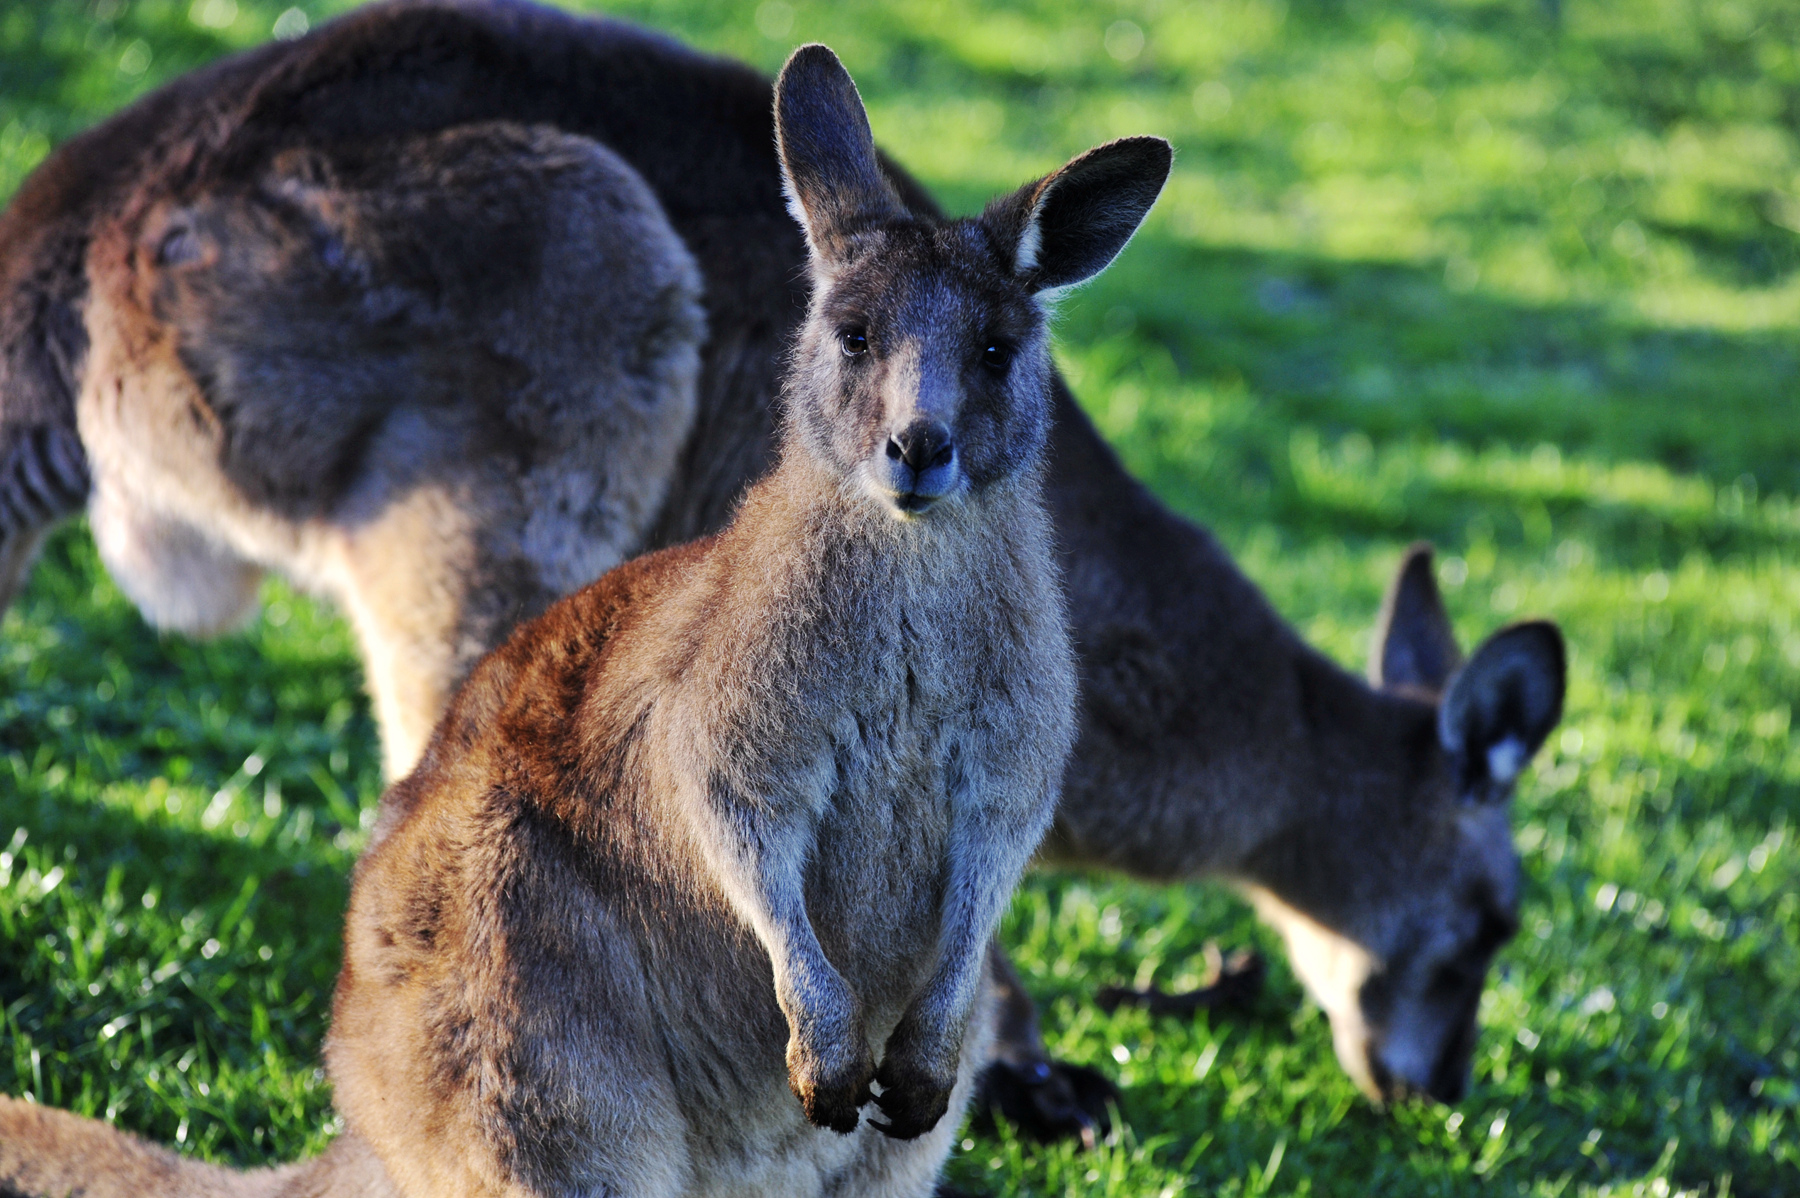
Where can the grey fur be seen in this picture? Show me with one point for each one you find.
(1213, 742)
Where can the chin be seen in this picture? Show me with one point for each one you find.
(904, 507)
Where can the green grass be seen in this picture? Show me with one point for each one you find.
(1517, 276)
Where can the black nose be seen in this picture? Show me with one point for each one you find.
(922, 445)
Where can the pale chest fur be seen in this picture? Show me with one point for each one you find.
(871, 685)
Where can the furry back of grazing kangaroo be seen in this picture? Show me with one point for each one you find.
(439, 374)
(707, 857)
(1213, 741)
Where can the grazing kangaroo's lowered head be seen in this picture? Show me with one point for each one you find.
(1394, 933)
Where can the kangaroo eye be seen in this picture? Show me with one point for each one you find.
(854, 342)
(179, 245)
(997, 355)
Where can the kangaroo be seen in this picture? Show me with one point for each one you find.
(738, 819)
(1367, 822)
(1212, 742)
(458, 392)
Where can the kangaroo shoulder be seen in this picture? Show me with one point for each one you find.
(524, 699)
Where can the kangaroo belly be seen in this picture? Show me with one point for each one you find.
(875, 884)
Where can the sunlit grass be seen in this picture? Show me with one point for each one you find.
(1519, 282)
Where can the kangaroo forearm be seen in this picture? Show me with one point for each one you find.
(756, 853)
(991, 846)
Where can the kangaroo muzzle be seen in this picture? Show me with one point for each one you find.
(921, 465)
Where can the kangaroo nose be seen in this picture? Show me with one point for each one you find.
(922, 445)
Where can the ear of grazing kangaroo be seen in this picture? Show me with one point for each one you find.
(1415, 646)
(1068, 226)
(1501, 706)
(829, 168)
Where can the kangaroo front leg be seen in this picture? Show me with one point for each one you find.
(989, 847)
(759, 855)
(1045, 1099)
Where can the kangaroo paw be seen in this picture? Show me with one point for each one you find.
(1047, 1101)
(912, 1099)
(832, 1097)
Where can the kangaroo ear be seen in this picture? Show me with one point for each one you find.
(829, 168)
(1501, 706)
(1066, 227)
(1415, 647)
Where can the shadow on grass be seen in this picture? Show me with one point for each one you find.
(1391, 352)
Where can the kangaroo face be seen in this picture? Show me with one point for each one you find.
(1402, 984)
(922, 374)
(1396, 949)
(928, 368)
(1420, 1003)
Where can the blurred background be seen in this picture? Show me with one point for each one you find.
(1518, 276)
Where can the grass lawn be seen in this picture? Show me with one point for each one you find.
(1519, 276)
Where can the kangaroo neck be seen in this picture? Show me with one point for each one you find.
(1208, 727)
(834, 537)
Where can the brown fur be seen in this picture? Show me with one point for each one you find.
(47, 1153)
(1213, 742)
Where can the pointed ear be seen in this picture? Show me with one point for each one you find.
(1501, 706)
(829, 168)
(1066, 227)
(1415, 647)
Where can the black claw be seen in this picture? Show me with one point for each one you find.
(822, 1113)
(904, 1123)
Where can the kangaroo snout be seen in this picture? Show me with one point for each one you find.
(1448, 1082)
(921, 464)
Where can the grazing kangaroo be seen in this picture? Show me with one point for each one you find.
(441, 378)
(738, 819)
(1213, 742)
(1366, 822)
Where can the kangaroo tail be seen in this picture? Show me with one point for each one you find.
(47, 1153)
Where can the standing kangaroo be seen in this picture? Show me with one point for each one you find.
(739, 819)
(1212, 741)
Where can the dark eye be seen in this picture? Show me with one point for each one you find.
(997, 355)
(854, 342)
(179, 245)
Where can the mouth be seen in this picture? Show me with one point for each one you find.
(914, 504)
(1447, 1085)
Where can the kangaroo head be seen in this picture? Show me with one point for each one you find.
(1396, 936)
(922, 373)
